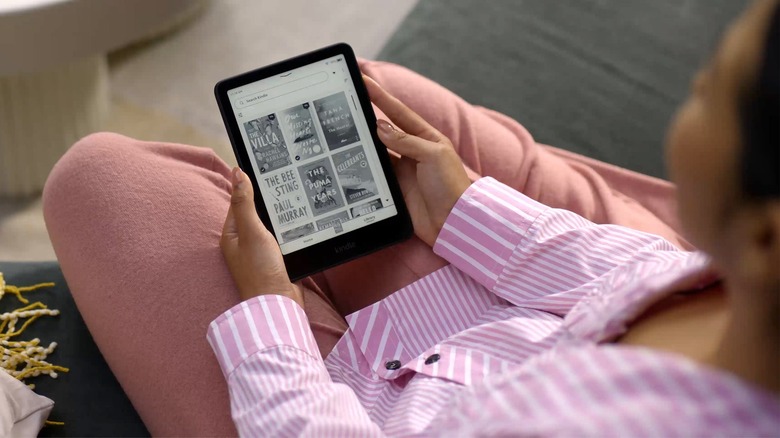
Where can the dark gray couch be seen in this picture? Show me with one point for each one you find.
(598, 77)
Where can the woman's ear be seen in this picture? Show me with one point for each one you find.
(757, 231)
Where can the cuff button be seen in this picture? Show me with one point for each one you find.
(393, 365)
(432, 358)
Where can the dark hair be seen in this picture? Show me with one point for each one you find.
(760, 122)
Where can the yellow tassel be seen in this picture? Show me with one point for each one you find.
(26, 354)
(5, 288)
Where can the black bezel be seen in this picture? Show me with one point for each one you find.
(339, 249)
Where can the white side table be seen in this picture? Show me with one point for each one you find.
(54, 75)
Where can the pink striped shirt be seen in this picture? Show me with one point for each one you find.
(512, 338)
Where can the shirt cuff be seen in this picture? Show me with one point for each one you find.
(483, 229)
(259, 324)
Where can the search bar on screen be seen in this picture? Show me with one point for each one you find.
(281, 90)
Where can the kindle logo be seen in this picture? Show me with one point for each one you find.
(345, 247)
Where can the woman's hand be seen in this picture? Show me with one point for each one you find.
(252, 255)
(430, 172)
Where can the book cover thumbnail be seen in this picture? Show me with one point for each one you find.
(297, 233)
(320, 187)
(334, 222)
(354, 174)
(283, 190)
(267, 143)
(336, 120)
(367, 208)
(299, 126)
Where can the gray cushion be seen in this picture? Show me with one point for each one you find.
(88, 398)
(598, 77)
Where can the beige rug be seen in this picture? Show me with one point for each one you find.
(176, 75)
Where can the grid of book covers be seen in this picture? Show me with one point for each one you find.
(314, 172)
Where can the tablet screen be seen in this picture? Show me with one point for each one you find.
(312, 153)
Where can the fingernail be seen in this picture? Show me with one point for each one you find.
(237, 178)
(368, 79)
(385, 127)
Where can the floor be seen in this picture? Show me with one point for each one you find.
(162, 89)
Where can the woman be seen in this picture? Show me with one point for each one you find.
(543, 324)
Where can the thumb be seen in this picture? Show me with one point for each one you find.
(242, 204)
(405, 144)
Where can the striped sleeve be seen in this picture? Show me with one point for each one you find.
(485, 227)
(276, 377)
(536, 256)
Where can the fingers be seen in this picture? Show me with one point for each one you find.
(242, 205)
(405, 144)
(229, 230)
(406, 119)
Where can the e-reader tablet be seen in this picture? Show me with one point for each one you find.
(305, 132)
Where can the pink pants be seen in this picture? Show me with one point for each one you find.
(136, 228)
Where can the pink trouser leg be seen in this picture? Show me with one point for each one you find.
(492, 144)
(136, 226)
